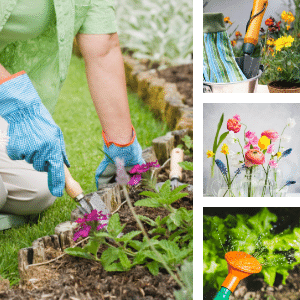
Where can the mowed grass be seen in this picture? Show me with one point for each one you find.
(77, 118)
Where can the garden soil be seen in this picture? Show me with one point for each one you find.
(77, 278)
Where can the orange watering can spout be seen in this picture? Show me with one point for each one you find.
(240, 266)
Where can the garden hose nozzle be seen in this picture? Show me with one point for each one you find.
(240, 266)
(253, 26)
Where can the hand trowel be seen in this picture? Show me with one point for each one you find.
(86, 205)
(250, 65)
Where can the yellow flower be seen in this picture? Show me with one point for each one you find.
(287, 17)
(264, 142)
(278, 154)
(279, 69)
(209, 154)
(284, 41)
(225, 149)
(270, 42)
(288, 27)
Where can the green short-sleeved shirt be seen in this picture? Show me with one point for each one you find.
(43, 47)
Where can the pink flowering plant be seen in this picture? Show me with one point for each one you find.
(171, 240)
(256, 153)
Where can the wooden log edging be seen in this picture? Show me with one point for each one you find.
(111, 194)
(162, 97)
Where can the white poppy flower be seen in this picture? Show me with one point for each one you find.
(291, 122)
(230, 138)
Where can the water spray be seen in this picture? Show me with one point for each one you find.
(240, 266)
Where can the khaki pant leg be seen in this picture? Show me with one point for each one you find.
(26, 190)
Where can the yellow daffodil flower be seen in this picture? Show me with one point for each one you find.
(278, 154)
(225, 149)
(264, 142)
(209, 154)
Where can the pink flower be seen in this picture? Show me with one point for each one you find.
(237, 117)
(273, 164)
(139, 169)
(234, 125)
(247, 146)
(271, 134)
(270, 148)
(249, 135)
(256, 148)
(83, 231)
(254, 157)
(254, 140)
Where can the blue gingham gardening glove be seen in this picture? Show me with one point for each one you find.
(131, 153)
(33, 134)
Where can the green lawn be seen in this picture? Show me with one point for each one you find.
(76, 116)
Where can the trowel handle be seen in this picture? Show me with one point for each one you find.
(72, 187)
(175, 169)
(252, 33)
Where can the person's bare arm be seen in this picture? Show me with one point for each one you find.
(106, 79)
(3, 72)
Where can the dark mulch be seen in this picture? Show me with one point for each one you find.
(182, 76)
(77, 278)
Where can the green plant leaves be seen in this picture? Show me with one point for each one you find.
(153, 267)
(114, 225)
(186, 165)
(79, 252)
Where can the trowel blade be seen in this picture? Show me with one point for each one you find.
(249, 65)
(97, 203)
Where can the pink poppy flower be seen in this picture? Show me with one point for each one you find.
(254, 157)
(273, 164)
(271, 134)
(237, 117)
(270, 148)
(249, 134)
(233, 125)
(254, 140)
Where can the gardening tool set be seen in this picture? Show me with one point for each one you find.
(222, 72)
(240, 266)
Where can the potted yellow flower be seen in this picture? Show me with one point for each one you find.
(281, 57)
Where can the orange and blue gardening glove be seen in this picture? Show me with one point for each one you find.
(131, 153)
(33, 134)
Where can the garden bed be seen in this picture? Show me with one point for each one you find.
(77, 278)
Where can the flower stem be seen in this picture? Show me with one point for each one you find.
(229, 181)
(241, 149)
(149, 241)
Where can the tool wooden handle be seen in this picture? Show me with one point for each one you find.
(72, 187)
(251, 36)
(176, 157)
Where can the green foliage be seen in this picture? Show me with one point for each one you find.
(186, 276)
(188, 145)
(158, 30)
(252, 235)
(172, 237)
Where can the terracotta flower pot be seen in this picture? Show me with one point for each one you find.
(283, 87)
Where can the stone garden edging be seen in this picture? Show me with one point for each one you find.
(111, 194)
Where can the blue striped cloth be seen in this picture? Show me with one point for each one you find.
(33, 134)
(219, 64)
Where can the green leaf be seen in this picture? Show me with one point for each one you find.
(153, 268)
(188, 141)
(102, 234)
(114, 225)
(135, 245)
(109, 256)
(186, 165)
(159, 230)
(128, 237)
(124, 259)
(215, 147)
(139, 259)
(222, 138)
(79, 252)
(148, 202)
(176, 218)
(149, 194)
(92, 246)
(115, 267)
(147, 220)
